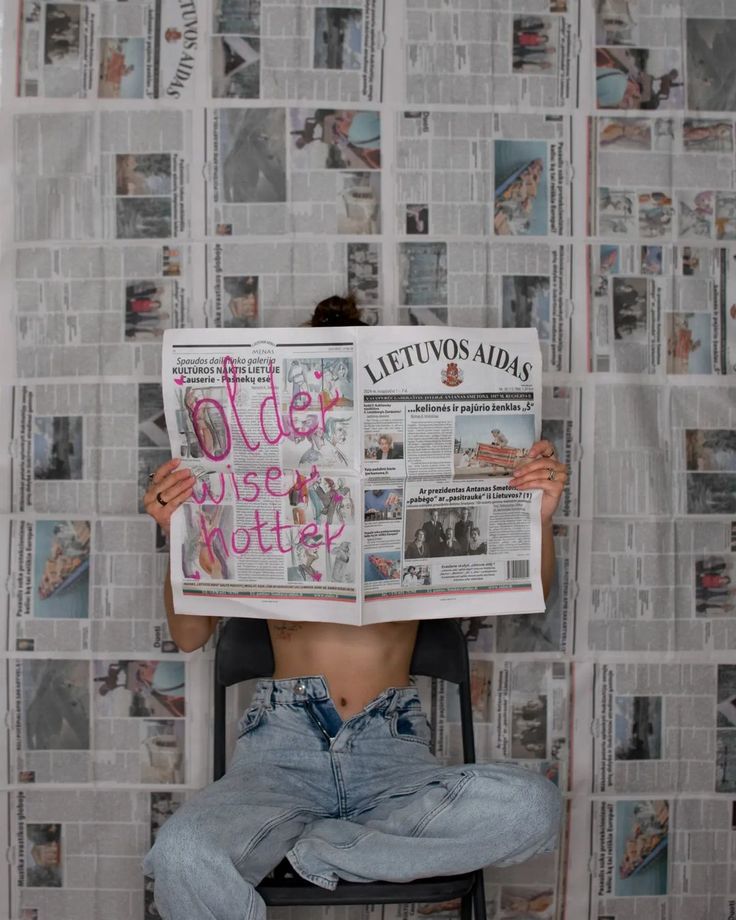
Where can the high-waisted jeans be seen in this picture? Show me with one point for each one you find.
(359, 800)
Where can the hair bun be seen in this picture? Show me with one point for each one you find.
(337, 311)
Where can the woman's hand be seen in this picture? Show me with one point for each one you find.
(542, 470)
(169, 487)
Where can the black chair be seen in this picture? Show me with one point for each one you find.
(244, 652)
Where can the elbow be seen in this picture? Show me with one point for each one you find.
(550, 590)
(189, 643)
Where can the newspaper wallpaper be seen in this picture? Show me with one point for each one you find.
(566, 164)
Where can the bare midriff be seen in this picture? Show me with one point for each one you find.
(359, 662)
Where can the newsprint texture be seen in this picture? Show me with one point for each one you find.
(467, 166)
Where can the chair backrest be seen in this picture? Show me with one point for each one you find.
(244, 651)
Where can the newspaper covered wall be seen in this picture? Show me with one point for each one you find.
(60, 842)
(224, 164)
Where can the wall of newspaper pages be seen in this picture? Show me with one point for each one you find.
(567, 164)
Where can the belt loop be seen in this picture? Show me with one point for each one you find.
(391, 701)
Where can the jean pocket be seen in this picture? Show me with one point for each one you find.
(411, 725)
(250, 720)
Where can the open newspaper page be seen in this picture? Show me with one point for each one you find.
(155, 49)
(51, 833)
(99, 175)
(446, 419)
(268, 426)
(146, 49)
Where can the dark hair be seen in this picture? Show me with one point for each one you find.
(337, 311)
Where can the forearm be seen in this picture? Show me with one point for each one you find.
(548, 558)
(189, 631)
(542, 470)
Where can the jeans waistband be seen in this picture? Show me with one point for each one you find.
(296, 690)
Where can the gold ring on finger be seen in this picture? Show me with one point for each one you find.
(551, 474)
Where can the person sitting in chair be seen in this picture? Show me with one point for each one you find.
(332, 768)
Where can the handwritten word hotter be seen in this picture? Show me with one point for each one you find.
(271, 537)
(272, 425)
(445, 350)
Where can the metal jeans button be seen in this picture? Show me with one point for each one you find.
(301, 687)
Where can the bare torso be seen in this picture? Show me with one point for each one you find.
(359, 662)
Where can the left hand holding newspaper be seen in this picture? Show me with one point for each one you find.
(355, 475)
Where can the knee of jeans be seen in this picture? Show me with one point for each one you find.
(539, 806)
(179, 848)
(529, 800)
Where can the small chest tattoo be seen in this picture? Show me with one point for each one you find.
(286, 630)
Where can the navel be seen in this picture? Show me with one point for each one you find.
(343, 701)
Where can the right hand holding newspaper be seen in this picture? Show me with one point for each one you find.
(354, 475)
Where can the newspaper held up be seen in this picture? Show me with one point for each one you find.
(355, 475)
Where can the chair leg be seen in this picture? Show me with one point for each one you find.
(478, 895)
(466, 906)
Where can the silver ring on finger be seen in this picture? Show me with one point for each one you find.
(551, 474)
(160, 500)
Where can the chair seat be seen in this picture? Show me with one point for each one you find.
(289, 892)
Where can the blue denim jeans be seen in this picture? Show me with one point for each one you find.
(359, 800)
